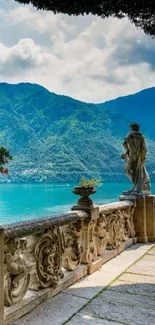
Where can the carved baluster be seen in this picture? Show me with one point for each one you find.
(30, 259)
(88, 242)
(128, 224)
(120, 227)
(132, 227)
(16, 273)
(72, 244)
(101, 235)
(115, 228)
(44, 257)
(48, 253)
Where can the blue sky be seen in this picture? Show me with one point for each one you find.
(87, 58)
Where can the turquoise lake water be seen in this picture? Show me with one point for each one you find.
(27, 201)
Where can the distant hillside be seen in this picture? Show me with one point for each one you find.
(139, 107)
(56, 138)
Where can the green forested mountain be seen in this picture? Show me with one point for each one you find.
(56, 138)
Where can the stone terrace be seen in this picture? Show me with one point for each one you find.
(65, 269)
(122, 291)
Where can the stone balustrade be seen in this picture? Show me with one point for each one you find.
(117, 219)
(41, 257)
(35, 253)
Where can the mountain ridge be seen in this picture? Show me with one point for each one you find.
(78, 100)
(54, 138)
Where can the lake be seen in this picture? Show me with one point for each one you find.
(26, 201)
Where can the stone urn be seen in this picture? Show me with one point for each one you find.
(84, 193)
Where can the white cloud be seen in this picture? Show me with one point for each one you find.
(40, 21)
(22, 58)
(84, 57)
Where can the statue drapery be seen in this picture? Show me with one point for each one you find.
(135, 157)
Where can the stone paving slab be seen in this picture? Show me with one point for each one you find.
(136, 278)
(88, 320)
(121, 262)
(149, 258)
(146, 289)
(125, 314)
(136, 252)
(151, 252)
(144, 266)
(91, 285)
(139, 246)
(144, 247)
(123, 299)
(54, 311)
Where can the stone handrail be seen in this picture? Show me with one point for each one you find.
(34, 254)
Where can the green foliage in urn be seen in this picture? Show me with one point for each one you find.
(87, 183)
(85, 188)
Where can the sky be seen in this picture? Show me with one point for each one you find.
(85, 57)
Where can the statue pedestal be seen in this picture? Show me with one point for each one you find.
(139, 217)
(144, 216)
(150, 217)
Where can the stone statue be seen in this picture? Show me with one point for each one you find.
(135, 156)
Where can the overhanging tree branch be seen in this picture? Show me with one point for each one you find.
(139, 12)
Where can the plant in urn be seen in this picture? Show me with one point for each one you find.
(85, 189)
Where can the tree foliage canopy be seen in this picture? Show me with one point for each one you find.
(4, 159)
(139, 12)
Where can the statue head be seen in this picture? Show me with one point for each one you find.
(134, 127)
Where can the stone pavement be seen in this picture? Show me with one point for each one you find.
(121, 292)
